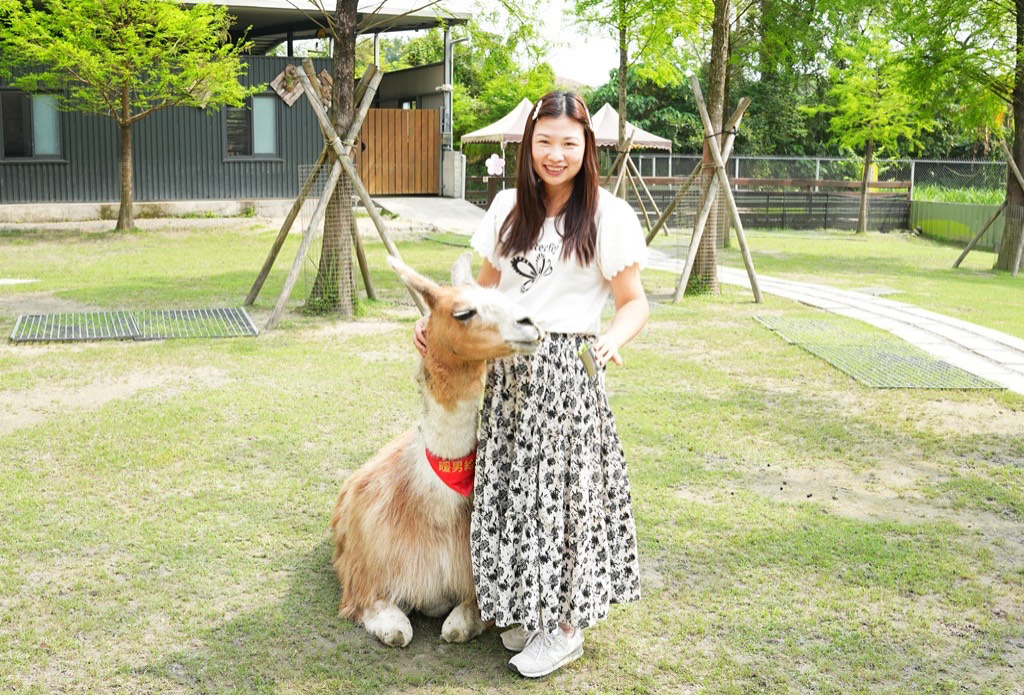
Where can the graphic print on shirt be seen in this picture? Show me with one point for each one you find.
(542, 267)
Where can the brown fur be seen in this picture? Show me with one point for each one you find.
(378, 533)
(397, 538)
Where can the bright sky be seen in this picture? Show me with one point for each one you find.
(578, 56)
(575, 55)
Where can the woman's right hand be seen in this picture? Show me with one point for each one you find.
(419, 337)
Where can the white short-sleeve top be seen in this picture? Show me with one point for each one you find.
(562, 296)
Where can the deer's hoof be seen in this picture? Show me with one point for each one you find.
(397, 638)
(462, 625)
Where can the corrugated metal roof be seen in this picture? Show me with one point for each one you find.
(273, 20)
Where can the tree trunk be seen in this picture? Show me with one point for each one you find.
(623, 70)
(125, 215)
(1013, 225)
(726, 222)
(862, 216)
(704, 278)
(332, 289)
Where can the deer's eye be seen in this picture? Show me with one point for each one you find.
(464, 315)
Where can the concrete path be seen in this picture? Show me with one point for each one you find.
(981, 351)
(444, 214)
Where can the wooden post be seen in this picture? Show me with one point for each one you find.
(307, 240)
(364, 84)
(493, 187)
(709, 200)
(622, 167)
(364, 268)
(730, 127)
(285, 228)
(716, 154)
(636, 172)
(612, 170)
(977, 237)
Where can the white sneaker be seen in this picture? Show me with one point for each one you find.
(516, 638)
(546, 652)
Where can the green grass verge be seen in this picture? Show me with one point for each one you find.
(920, 269)
(940, 194)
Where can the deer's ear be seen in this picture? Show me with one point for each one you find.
(462, 272)
(425, 287)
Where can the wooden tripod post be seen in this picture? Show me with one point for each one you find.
(732, 125)
(341, 156)
(289, 220)
(977, 237)
(723, 179)
(622, 167)
(342, 152)
(709, 201)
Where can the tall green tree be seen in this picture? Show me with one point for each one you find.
(704, 277)
(124, 59)
(972, 53)
(873, 108)
(647, 32)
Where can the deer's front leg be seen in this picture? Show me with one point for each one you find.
(388, 623)
(463, 623)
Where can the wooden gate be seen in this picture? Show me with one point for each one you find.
(400, 151)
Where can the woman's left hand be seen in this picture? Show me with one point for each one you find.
(606, 350)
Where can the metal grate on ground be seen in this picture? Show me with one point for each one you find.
(194, 323)
(138, 325)
(874, 358)
(66, 327)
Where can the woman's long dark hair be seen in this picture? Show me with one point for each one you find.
(521, 229)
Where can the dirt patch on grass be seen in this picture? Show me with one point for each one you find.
(30, 407)
(972, 417)
(348, 329)
(879, 494)
(902, 493)
(40, 303)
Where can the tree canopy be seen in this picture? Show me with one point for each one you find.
(124, 59)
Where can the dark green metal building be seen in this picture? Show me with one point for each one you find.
(182, 153)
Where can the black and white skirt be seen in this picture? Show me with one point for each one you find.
(553, 534)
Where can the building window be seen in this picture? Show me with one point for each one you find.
(30, 124)
(252, 129)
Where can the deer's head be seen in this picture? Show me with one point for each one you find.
(468, 322)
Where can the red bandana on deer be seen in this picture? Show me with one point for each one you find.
(455, 473)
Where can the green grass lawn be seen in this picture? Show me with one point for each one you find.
(921, 269)
(165, 505)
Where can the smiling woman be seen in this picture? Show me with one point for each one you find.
(553, 537)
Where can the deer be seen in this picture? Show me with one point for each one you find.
(401, 523)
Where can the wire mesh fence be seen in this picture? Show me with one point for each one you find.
(950, 200)
(327, 275)
(949, 177)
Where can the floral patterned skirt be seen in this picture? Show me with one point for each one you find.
(553, 534)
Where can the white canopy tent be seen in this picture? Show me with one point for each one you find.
(508, 128)
(606, 131)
